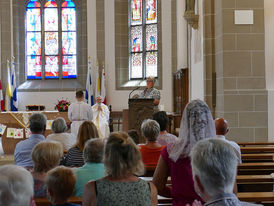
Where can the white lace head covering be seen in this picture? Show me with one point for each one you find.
(196, 124)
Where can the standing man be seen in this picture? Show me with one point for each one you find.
(101, 117)
(78, 112)
(151, 93)
(23, 149)
(221, 130)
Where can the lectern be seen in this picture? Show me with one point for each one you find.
(139, 109)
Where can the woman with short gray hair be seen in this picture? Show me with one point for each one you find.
(152, 149)
(93, 169)
(214, 166)
(59, 128)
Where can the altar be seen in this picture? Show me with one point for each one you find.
(19, 121)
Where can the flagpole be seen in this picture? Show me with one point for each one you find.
(11, 27)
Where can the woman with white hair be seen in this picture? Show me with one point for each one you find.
(16, 186)
(196, 124)
(214, 166)
(59, 128)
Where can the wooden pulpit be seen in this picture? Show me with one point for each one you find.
(139, 110)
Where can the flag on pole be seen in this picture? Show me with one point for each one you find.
(89, 88)
(1, 98)
(103, 86)
(13, 100)
(8, 88)
(98, 82)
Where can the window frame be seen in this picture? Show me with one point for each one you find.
(144, 44)
(60, 32)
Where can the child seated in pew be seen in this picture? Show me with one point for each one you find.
(60, 183)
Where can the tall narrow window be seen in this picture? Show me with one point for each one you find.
(143, 32)
(51, 39)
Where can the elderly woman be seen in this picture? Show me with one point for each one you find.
(121, 186)
(93, 168)
(214, 166)
(16, 186)
(152, 149)
(164, 138)
(74, 157)
(45, 155)
(59, 127)
(60, 183)
(196, 124)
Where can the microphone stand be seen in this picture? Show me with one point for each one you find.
(131, 92)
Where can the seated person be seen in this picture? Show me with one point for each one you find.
(74, 157)
(59, 128)
(45, 155)
(152, 149)
(93, 168)
(16, 186)
(164, 137)
(214, 166)
(60, 183)
(101, 117)
(121, 186)
(23, 149)
(221, 130)
(134, 135)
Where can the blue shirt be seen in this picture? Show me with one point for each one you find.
(89, 171)
(23, 149)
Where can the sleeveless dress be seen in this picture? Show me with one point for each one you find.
(111, 193)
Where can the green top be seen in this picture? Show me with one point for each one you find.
(89, 171)
(111, 193)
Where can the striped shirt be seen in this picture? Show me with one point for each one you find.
(74, 158)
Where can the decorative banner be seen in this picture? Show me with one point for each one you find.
(19, 134)
(10, 132)
(27, 133)
(49, 123)
(2, 129)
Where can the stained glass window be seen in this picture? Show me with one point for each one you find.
(143, 34)
(51, 39)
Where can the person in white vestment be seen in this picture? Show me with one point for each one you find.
(101, 117)
(78, 112)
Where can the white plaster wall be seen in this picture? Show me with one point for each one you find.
(197, 86)
(117, 98)
(49, 99)
(269, 63)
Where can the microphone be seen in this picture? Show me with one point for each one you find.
(132, 91)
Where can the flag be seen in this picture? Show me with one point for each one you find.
(8, 89)
(13, 100)
(98, 82)
(89, 88)
(103, 86)
(1, 98)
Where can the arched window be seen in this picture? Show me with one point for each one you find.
(143, 32)
(51, 39)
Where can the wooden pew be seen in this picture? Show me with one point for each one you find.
(254, 143)
(257, 197)
(258, 157)
(43, 201)
(254, 178)
(246, 150)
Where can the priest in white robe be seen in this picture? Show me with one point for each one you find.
(101, 117)
(78, 112)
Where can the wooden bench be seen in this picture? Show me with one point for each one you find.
(246, 150)
(257, 197)
(43, 201)
(254, 143)
(258, 157)
(256, 168)
(254, 178)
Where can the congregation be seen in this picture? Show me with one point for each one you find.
(107, 171)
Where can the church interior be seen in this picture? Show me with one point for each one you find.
(217, 51)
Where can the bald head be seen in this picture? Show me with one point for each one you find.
(221, 126)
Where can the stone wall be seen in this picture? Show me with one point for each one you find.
(235, 53)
